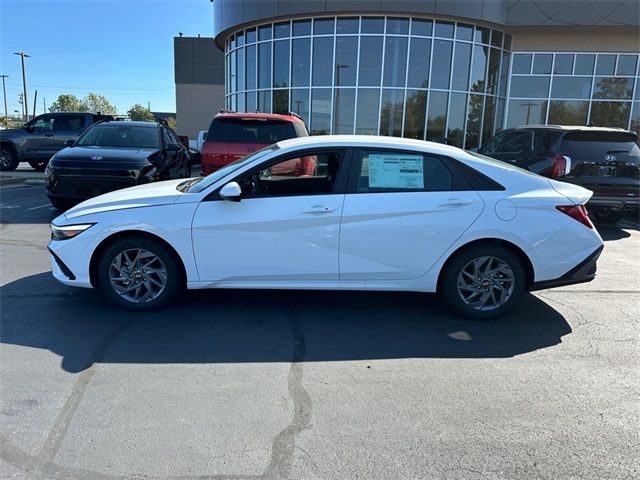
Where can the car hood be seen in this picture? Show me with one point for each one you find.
(12, 132)
(149, 195)
(101, 154)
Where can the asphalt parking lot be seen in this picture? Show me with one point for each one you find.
(313, 385)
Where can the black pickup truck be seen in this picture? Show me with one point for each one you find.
(40, 138)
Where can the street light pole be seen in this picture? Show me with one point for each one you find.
(24, 85)
(4, 94)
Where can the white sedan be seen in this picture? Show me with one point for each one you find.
(335, 213)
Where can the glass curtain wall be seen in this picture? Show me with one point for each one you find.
(406, 77)
(574, 89)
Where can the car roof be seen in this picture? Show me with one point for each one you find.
(136, 123)
(570, 128)
(369, 141)
(260, 116)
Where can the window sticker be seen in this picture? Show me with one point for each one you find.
(396, 171)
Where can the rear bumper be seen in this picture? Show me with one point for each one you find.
(584, 272)
(619, 203)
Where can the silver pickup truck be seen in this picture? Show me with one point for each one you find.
(40, 138)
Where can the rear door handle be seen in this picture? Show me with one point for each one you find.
(456, 203)
(319, 210)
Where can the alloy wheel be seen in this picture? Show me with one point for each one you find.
(486, 283)
(138, 275)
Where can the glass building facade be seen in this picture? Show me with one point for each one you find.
(406, 77)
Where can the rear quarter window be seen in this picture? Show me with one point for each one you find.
(238, 130)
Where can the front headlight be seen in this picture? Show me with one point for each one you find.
(68, 231)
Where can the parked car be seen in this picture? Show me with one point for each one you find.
(233, 135)
(111, 155)
(40, 138)
(382, 214)
(604, 160)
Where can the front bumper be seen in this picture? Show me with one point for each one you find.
(584, 272)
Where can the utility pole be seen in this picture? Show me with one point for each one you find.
(4, 94)
(148, 105)
(35, 100)
(24, 85)
(44, 105)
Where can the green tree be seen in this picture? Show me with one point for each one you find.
(67, 103)
(98, 103)
(138, 112)
(172, 124)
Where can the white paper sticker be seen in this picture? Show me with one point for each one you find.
(396, 171)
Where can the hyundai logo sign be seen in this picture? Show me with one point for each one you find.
(610, 158)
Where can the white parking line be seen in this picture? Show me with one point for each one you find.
(39, 206)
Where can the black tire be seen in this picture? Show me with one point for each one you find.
(462, 261)
(607, 216)
(174, 279)
(61, 205)
(8, 159)
(39, 165)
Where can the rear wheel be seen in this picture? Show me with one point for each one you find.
(8, 159)
(139, 274)
(607, 216)
(38, 165)
(483, 282)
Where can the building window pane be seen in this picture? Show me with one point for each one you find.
(372, 25)
(395, 62)
(584, 64)
(444, 29)
(526, 112)
(464, 32)
(300, 103)
(264, 32)
(343, 110)
(282, 30)
(456, 117)
(571, 87)
(504, 74)
(478, 68)
(415, 114)
(568, 112)
(251, 68)
(300, 62)
(419, 55)
(391, 113)
(240, 70)
(264, 101)
(281, 63)
(346, 60)
(301, 28)
(605, 64)
(494, 71)
(487, 123)
(367, 111)
(563, 65)
(240, 106)
(251, 104)
(613, 88)
(482, 35)
(320, 111)
(627, 65)
(522, 63)
(322, 61)
(461, 65)
(530, 87)
(421, 27)
(610, 114)
(499, 120)
(240, 39)
(232, 42)
(323, 26)
(281, 101)
(348, 25)
(370, 61)
(542, 63)
(251, 35)
(264, 65)
(496, 38)
(232, 72)
(397, 26)
(437, 116)
(474, 117)
(440, 69)
(507, 42)
(635, 118)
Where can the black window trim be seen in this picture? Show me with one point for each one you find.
(339, 186)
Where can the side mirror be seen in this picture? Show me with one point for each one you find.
(69, 142)
(173, 147)
(231, 191)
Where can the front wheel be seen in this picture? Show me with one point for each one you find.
(483, 282)
(139, 274)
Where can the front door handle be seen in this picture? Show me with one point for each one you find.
(454, 202)
(319, 210)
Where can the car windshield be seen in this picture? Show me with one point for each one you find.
(120, 135)
(250, 130)
(230, 168)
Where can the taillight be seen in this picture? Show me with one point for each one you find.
(561, 166)
(577, 212)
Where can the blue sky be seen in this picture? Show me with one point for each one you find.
(120, 49)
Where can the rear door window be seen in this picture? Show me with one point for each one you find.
(239, 130)
(509, 143)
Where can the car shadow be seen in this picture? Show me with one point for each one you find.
(244, 326)
(612, 232)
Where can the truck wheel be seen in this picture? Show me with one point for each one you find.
(8, 159)
(38, 165)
